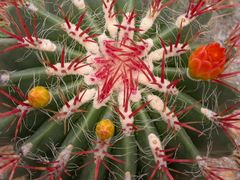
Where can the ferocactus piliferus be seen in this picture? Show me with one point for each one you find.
(117, 89)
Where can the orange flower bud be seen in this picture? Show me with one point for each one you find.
(105, 129)
(207, 62)
(39, 97)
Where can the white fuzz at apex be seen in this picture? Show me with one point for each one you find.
(127, 176)
(97, 104)
(166, 114)
(156, 148)
(175, 52)
(127, 122)
(24, 108)
(161, 87)
(4, 77)
(127, 32)
(182, 21)
(31, 6)
(41, 44)
(25, 149)
(81, 37)
(146, 23)
(110, 18)
(148, 20)
(72, 106)
(101, 148)
(80, 4)
(64, 155)
(64, 71)
(208, 113)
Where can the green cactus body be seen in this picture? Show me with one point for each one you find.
(67, 65)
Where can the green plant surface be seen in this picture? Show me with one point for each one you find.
(141, 65)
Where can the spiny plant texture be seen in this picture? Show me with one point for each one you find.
(117, 89)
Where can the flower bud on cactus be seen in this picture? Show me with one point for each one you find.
(70, 68)
(207, 61)
(105, 129)
(39, 97)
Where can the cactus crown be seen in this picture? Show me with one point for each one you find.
(120, 91)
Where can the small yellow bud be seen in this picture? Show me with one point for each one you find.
(105, 129)
(39, 97)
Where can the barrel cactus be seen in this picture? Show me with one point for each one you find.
(117, 89)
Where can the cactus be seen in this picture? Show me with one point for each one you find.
(117, 89)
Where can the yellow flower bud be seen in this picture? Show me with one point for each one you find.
(39, 97)
(105, 129)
